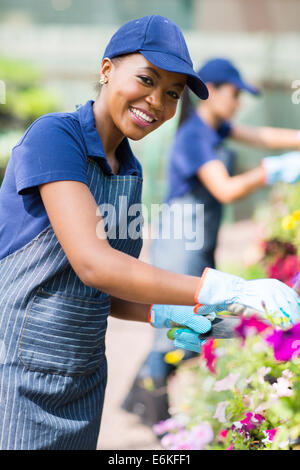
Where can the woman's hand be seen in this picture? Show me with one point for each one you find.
(169, 316)
(218, 291)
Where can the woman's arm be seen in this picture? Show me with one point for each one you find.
(226, 188)
(266, 137)
(71, 209)
(129, 310)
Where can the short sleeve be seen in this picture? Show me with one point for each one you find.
(50, 150)
(192, 152)
(224, 129)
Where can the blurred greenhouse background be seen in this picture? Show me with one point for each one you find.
(50, 53)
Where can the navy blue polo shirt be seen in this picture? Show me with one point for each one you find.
(195, 144)
(54, 148)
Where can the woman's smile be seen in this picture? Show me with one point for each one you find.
(141, 117)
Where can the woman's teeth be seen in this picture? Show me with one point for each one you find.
(142, 115)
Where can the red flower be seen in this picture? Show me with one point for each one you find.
(284, 269)
(223, 434)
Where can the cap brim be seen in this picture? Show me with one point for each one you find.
(244, 86)
(174, 64)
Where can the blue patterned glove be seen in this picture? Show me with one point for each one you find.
(219, 291)
(187, 339)
(285, 168)
(169, 316)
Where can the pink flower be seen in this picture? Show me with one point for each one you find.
(248, 325)
(196, 438)
(168, 440)
(269, 433)
(209, 355)
(227, 383)
(230, 447)
(286, 343)
(200, 436)
(220, 411)
(251, 421)
(168, 425)
(223, 434)
(258, 418)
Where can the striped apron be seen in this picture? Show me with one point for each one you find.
(52, 333)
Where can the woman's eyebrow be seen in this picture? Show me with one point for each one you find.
(180, 85)
(152, 70)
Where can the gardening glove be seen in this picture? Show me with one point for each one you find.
(190, 324)
(285, 168)
(220, 291)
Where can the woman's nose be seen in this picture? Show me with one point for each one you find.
(155, 100)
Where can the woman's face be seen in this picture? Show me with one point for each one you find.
(224, 100)
(140, 97)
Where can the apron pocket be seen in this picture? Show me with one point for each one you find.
(64, 334)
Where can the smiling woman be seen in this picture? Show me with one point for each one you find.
(61, 273)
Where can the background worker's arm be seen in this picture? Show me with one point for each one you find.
(226, 188)
(266, 137)
(72, 211)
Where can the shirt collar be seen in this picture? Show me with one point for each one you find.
(128, 162)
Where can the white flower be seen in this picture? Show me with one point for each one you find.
(237, 424)
(283, 444)
(282, 387)
(287, 374)
(262, 372)
(220, 411)
(227, 383)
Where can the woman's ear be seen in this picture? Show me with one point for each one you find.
(210, 86)
(106, 68)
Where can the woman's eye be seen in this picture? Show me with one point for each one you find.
(174, 95)
(146, 80)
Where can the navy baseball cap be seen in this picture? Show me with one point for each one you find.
(222, 70)
(161, 42)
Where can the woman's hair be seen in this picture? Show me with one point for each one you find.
(187, 104)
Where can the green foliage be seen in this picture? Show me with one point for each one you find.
(18, 73)
(26, 97)
(26, 100)
(31, 103)
(282, 222)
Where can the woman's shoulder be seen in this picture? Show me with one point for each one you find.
(52, 127)
(190, 129)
